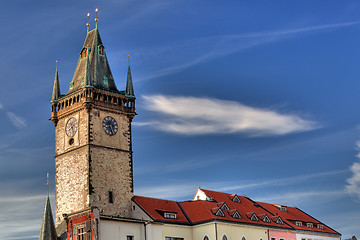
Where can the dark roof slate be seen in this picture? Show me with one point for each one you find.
(47, 231)
(93, 69)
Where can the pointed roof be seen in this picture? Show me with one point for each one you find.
(47, 231)
(129, 84)
(93, 67)
(56, 88)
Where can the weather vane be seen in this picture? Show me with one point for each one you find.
(88, 24)
(96, 17)
(47, 181)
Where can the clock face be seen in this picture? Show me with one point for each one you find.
(71, 127)
(110, 125)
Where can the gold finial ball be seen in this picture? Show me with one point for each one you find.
(47, 184)
(56, 61)
(96, 19)
(96, 10)
(88, 24)
(128, 56)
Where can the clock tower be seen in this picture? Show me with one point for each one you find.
(93, 148)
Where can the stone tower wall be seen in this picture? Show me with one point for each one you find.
(71, 167)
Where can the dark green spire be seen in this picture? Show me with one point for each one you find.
(93, 65)
(129, 84)
(47, 231)
(56, 88)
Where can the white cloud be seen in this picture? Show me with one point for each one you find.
(353, 186)
(16, 120)
(180, 55)
(196, 116)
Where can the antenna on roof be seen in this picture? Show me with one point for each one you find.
(88, 24)
(96, 17)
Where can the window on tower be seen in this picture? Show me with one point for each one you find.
(101, 50)
(111, 197)
(84, 52)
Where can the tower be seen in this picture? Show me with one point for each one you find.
(93, 146)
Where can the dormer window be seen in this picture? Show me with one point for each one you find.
(279, 220)
(309, 225)
(236, 199)
(101, 50)
(320, 226)
(219, 213)
(84, 52)
(299, 224)
(266, 219)
(225, 207)
(254, 217)
(236, 215)
(282, 208)
(170, 215)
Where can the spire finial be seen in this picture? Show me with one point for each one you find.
(57, 65)
(47, 183)
(88, 24)
(129, 60)
(96, 17)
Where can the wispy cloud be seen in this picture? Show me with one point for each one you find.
(295, 196)
(181, 55)
(196, 116)
(1, 106)
(16, 120)
(353, 186)
(283, 181)
(21, 216)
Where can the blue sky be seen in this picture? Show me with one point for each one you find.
(249, 97)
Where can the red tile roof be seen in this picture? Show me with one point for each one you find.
(194, 212)
(294, 214)
(156, 208)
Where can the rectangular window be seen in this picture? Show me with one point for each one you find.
(282, 239)
(173, 238)
(129, 237)
(111, 197)
(299, 224)
(273, 238)
(320, 226)
(170, 215)
(309, 225)
(81, 233)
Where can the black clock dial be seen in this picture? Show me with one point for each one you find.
(110, 125)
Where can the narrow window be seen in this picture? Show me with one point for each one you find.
(206, 238)
(309, 225)
(129, 237)
(299, 224)
(111, 197)
(320, 226)
(224, 237)
(273, 238)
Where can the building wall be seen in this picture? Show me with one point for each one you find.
(286, 235)
(111, 165)
(315, 236)
(118, 230)
(71, 167)
(236, 232)
(206, 229)
(179, 231)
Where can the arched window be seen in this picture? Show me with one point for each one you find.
(224, 237)
(206, 238)
(243, 238)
